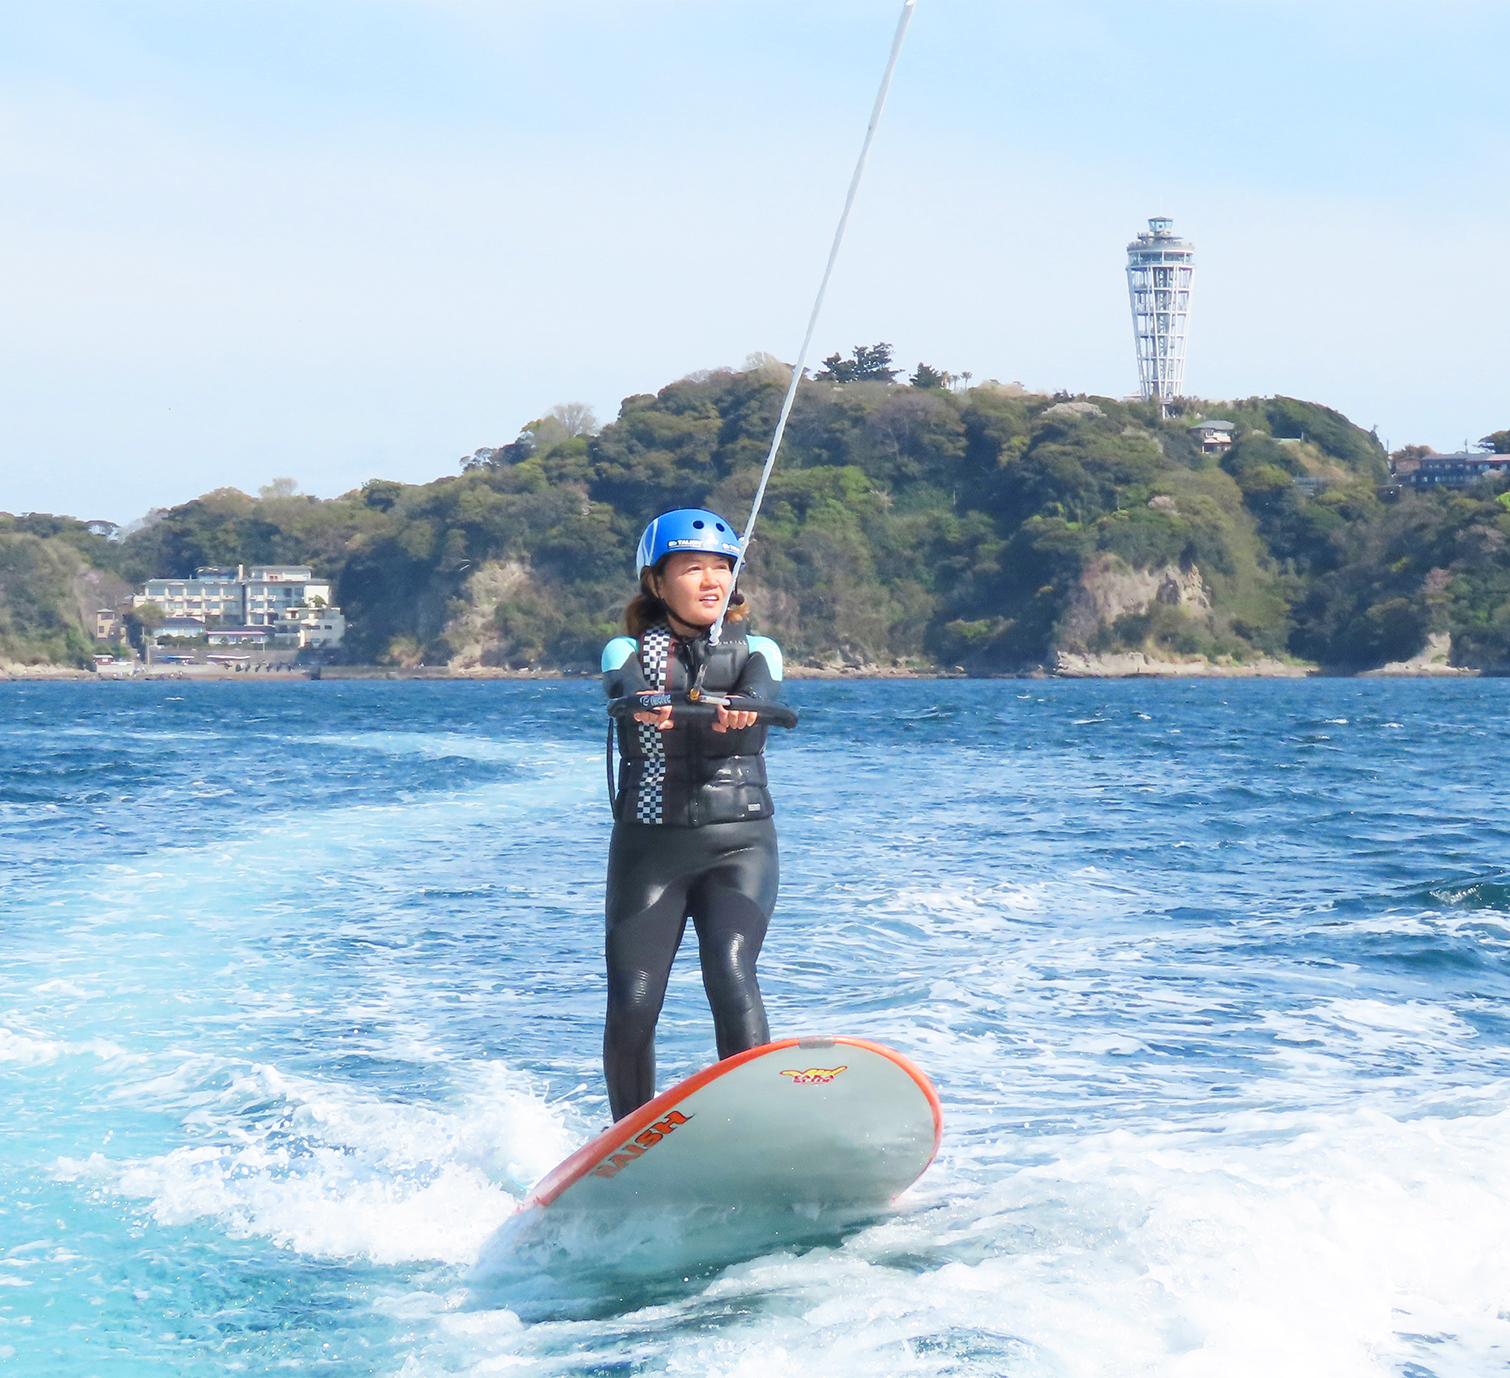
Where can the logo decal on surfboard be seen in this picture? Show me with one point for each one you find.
(626, 1153)
(814, 1075)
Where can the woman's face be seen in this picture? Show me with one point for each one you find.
(693, 584)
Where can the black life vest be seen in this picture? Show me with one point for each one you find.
(691, 775)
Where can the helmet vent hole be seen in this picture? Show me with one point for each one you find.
(720, 525)
(698, 525)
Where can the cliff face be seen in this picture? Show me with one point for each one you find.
(1110, 590)
(1122, 621)
(478, 632)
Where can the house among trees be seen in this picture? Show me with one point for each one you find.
(1457, 470)
(1214, 437)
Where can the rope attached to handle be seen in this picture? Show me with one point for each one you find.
(812, 324)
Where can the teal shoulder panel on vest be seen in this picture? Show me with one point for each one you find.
(618, 651)
(763, 645)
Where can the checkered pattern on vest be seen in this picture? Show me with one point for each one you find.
(650, 799)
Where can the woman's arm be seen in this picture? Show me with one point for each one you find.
(760, 679)
(623, 675)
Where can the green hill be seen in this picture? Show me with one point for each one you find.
(53, 572)
(991, 528)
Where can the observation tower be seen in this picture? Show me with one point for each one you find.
(1160, 267)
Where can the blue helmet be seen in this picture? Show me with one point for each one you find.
(688, 528)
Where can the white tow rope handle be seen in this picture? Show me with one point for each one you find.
(812, 324)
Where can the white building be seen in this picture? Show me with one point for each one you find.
(312, 626)
(180, 626)
(272, 590)
(285, 602)
(211, 593)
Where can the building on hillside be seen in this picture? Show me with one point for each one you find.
(1457, 470)
(180, 626)
(211, 594)
(1160, 271)
(272, 590)
(1214, 437)
(285, 602)
(107, 624)
(319, 627)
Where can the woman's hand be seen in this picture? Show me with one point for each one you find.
(727, 720)
(735, 721)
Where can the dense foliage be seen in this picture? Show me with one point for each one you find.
(866, 364)
(986, 527)
(49, 571)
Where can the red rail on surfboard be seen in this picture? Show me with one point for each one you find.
(765, 1127)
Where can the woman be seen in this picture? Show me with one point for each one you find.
(692, 836)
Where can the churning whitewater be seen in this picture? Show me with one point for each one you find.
(302, 991)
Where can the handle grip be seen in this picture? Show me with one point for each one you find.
(705, 710)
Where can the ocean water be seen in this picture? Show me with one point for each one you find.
(300, 989)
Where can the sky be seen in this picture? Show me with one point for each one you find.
(339, 241)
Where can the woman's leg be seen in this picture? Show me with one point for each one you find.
(646, 913)
(730, 930)
(731, 905)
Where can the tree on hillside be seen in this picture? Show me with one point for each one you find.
(141, 622)
(382, 493)
(279, 488)
(564, 422)
(576, 418)
(1496, 442)
(759, 360)
(96, 546)
(929, 377)
(866, 364)
(487, 457)
(226, 527)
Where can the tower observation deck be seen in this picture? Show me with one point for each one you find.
(1160, 267)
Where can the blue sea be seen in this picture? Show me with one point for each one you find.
(301, 988)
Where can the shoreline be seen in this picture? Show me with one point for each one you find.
(1069, 668)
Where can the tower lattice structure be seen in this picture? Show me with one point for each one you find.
(1160, 267)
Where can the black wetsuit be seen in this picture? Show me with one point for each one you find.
(693, 838)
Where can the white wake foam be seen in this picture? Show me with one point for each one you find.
(326, 1170)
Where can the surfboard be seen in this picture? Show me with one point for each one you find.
(800, 1125)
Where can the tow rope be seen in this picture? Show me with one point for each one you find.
(791, 392)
